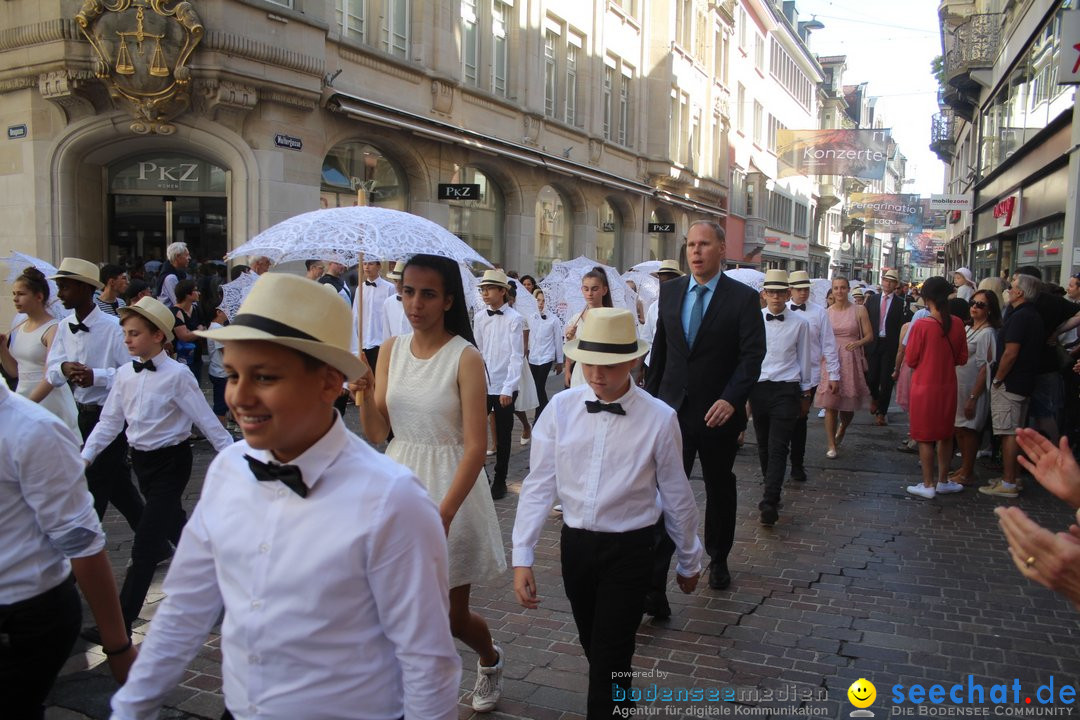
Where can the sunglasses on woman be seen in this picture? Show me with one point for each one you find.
(978, 304)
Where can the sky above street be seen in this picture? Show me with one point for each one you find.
(889, 45)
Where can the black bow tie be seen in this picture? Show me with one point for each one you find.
(799, 307)
(543, 317)
(77, 326)
(368, 282)
(398, 298)
(595, 406)
(770, 316)
(140, 366)
(289, 475)
(494, 312)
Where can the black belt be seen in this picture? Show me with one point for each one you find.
(783, 383)
(645, 532)
(88, 407)
(184, 444)
(47, 596)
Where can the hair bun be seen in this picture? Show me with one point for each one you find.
(32, 273)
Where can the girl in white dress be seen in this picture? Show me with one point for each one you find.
(430, 387)
(597, 293)
(29, 347)
(973, 382)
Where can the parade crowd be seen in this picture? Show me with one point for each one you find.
(341, 575)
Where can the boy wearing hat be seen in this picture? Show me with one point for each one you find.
(394, 321)
(159, 399)
(499, 331)
(612, 455)
(822, 351)
(373, 292)
(328, 558)
(86, 351)
(782, 389)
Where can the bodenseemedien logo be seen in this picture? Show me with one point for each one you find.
(862, 694)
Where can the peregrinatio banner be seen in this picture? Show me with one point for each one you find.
(853, 153)
(899, 213)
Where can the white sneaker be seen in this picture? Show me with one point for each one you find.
(821, 413)
(946, 487)
(922, 491)
(488, 685)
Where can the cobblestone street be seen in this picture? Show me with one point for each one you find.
(857, 580)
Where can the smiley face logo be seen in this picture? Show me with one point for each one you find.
(862, 693)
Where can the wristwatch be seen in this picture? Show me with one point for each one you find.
(997, 383)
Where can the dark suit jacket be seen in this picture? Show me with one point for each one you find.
(893, 321)
(725, 361)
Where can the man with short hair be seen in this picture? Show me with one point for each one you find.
(260, 264)
(172, 272)
(333, 275)
(374, 291)
(706, 358)
(315, 269)
(1019, 346)
(110, 298)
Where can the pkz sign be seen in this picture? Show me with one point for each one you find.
(459, 191)
(661, 227)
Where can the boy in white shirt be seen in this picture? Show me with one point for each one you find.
(158, 398)
(328, 559)
(393, 316)
(612, 455)
(216, 350)
(500, 337)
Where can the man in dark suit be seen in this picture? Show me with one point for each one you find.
(706, 357)
(881, 353)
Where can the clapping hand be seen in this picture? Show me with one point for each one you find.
(1052, 465)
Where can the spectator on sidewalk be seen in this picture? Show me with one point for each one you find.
(111, 297)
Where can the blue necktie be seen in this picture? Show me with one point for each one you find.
(695, 314)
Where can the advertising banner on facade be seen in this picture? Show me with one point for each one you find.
(925, 246)
(853, 153)
(885, 212)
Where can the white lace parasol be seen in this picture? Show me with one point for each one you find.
(819, 288)
(648, 287)
(233, 293)
(16, 262)
(349, 234)
(562, 288)
(747, 276)
(649, 266)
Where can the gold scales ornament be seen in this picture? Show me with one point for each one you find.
(133, 41)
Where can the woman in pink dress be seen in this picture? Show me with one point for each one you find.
(936, 345)
(851, 326)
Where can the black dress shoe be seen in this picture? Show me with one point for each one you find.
(656, 604)
(719, 577)
(91, 634)
(769, 515)
(798, 474)
(498, 491)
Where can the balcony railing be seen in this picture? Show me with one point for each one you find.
(974, 45)
(943, 135)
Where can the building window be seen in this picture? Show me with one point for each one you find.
(802, 219)
(759, 53)
(623, 136)
(676, 123)
(350, 18)
(743, 24)
(779, 212)
(609, 80)
(501, 15)
(282, 3)
(740, 110)
(573, 50)
(608, 236)
(774, 127)
(684, 23)
(627, 6)
(693, 146)
(550, 68)
(720, 56)
(737, 198)
(552, 230)
(759, 112)
(787, 72)
(717, 146)
(354, 173)
(470, 43)
(395, 28)
(478, 222)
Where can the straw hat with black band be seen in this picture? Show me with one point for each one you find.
(608, 336)
(396, 274)
(154, 311)
(296, 313)
(891, 275)
(668, 267)
(775, 280)
(83, 271)
(799, 279)
(495, 277)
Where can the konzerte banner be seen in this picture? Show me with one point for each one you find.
(853, 153)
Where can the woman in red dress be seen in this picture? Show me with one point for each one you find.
(936, 345)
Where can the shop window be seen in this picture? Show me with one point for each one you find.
(478, 222)
(552, 231)
(355, 173)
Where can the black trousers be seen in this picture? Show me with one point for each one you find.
(606, 576)
(880, 363)
(798, 438)
(716, 449)
(109, 477)
(504, 428)
(776, 409)
(163, 474)
(36, 637)
(540, 375)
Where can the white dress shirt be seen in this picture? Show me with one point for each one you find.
(101, 349)
(612, 473)
(501, 341)
(215, 349)
(158, 406)
(545, 339)
(373, 299)
(787, 350)
(648, 330)
(885, 302)
(336, 605)
(46, 513)
(394, 320)
(822, 341)
(168, 290)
